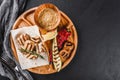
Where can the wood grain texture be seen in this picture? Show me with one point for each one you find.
(26, 19)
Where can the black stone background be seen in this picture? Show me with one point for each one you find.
(98, 26)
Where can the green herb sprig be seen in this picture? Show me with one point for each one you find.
(31, 52)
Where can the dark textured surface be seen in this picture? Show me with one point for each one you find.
(4, 78)
(98, 26)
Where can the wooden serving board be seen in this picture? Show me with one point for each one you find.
(27, 19)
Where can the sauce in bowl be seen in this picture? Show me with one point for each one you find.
(48, 18)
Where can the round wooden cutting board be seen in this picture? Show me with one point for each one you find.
(27, 19)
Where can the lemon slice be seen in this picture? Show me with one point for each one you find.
(50, 35)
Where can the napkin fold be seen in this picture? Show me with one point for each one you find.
(9, 11)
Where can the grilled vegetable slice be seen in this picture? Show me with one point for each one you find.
(56, 58)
